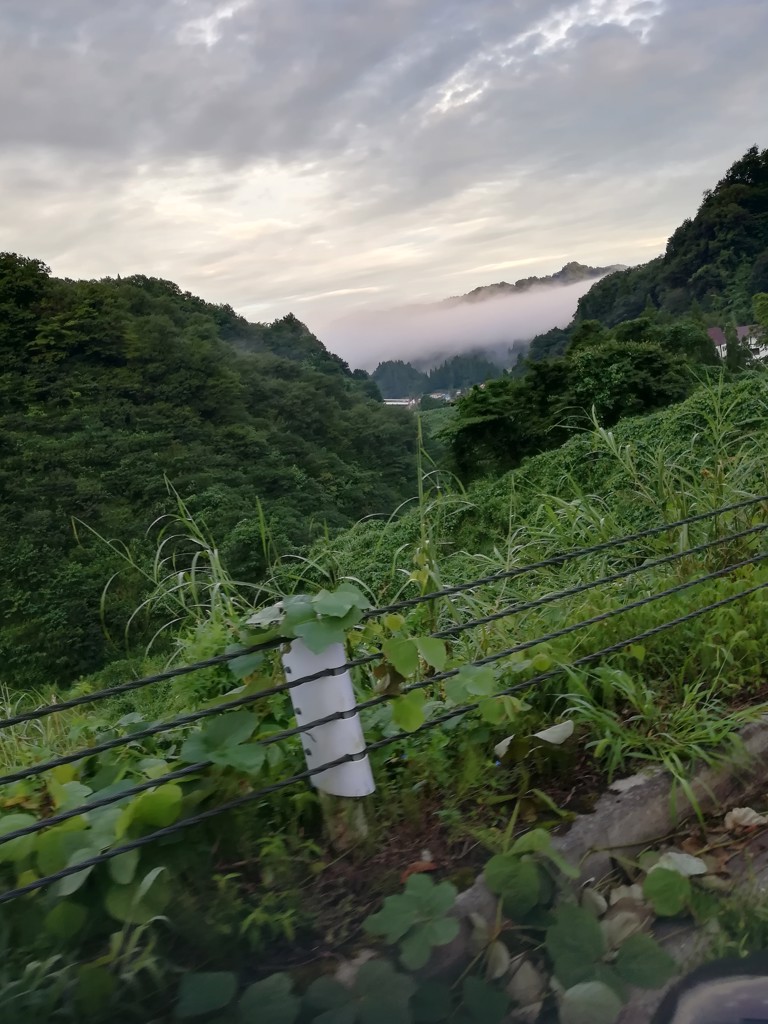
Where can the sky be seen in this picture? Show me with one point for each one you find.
(327, 156)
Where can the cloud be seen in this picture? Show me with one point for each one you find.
(324, 154)
(428, 335)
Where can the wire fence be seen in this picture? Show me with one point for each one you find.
(121, 795)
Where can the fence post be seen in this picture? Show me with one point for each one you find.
(340, 788)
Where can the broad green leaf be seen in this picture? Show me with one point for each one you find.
(66, 886)
(246, 665)
(55, 846)
(123, 868)
(159, 807)
(95, 987)
(65, 920)
(541, 662)
(514, 879)
(432, 1003)
(131, 904)
(319, 634)
(338, 603)
(16, 849)
(667, 891)
(538, 840)
(422, 901)
(433, 651)
(575, 943)
(591, 1002)
(248, 757)
(202, 993)
(296, 609)
(485, 1003)
(230, 728)
(636, 651)
(641, 961)
(417, 946)
(382, 994)
(270, 1001)
(479, 681)
(408, 711)
(493, 712)
(326, 993)
(68, 795)
(402, 654)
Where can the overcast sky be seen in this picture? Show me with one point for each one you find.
(321, 155)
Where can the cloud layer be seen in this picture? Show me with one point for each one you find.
(322, 156)
(425, 335)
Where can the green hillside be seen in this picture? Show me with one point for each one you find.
(715, 261)
(108, 386)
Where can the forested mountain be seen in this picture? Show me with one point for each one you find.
(398, 379)
(714, 263)
(571, 273)
(107, 386)
(636, 367)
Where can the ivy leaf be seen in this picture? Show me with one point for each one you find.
(408, 711)
(417, 947)
(515, 880)
(591, 1002)
(667, 891)
(383, 994)
(403, 655)
(338, 603)
(380, 995)
(575, 944)
(203, 992)
(432, 1003)
(641, 961)
(419, 907)
(66, 886)
(484, 1003)
(433, 651)
(319, 634)
(269, 1000)
(218, 735)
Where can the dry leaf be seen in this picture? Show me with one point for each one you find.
(744, 817)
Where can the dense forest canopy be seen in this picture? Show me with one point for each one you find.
(637, 367)
(108, 386)
(714, 263)
(398, 379)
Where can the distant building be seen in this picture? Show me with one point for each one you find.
(406, 403)
(444, 396)
(752, 337)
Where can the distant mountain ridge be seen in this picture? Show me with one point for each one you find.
(571, 273)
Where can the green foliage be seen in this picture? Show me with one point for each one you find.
(107, 387)
(417, 919)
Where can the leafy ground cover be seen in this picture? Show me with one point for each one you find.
(244, 892)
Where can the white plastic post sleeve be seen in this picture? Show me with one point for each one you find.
(325, 743)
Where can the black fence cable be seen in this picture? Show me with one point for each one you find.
(566, 556)
(136, 684)
(248, 798)
(438, 677)
(172, 673)
(240, 702)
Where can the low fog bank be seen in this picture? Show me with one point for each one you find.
(424, 335)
